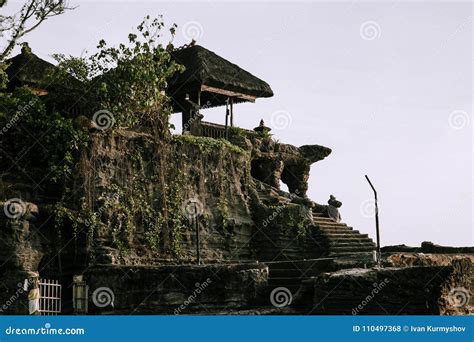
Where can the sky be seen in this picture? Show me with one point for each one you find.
(386, 85)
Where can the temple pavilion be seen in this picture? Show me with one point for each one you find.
(211, 81)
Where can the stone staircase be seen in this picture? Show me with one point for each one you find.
(337, 240)
(341, 240)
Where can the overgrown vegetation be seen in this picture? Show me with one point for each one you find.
(291, 220)
(35, 142)
(42, 140)
(207, 145)
(129, 81)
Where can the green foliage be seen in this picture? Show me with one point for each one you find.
(223, 202)
(208, 145)
(126, 207)
(237, 131)
(3, 76)
(31, 15)
(129, 80)
(293, 221)
(42, 142)
(176, 220)
(34, 141)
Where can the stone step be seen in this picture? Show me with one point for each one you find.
(333, 244)
(338, 249)
(318, 214)
(335, 225)
(323, 219)
(329, 236)
(365, 255)
(339, 230)
(342, 235)
(354, 240)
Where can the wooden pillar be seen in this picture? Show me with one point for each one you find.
(189, 109)
(227, 118)
(231, 112)
(186, 116)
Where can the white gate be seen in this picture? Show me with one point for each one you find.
(50, 297)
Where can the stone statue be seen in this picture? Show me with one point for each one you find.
(32, 285)
(333, 210)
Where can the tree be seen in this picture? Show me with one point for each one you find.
(31, 15)
(129, 80)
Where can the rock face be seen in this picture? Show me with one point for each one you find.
(136, 210)
(419, 290)
(213, 180)
(175, 289)
(138, 203)
(427, 247)
(21, 250)
(20, 241)
(272, 161)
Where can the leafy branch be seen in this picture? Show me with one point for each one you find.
(32, 14)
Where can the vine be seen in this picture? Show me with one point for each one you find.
(293, 221)
(208, 145)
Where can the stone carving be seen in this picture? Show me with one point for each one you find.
(333, 208)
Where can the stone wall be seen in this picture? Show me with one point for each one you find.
(419, 290)
(128, 166)
(176, 289)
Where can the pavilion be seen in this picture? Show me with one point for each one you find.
(210, 81)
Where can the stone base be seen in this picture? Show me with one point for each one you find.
(175, 289)
(419, 290)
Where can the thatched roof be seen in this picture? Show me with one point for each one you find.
(27, 69)
(205, 68)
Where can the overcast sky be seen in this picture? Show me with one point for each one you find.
(387, 86)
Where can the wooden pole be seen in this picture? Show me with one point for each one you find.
(198, 244)
(231, 112)
(227, 119)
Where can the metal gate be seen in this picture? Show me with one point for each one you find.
(50, 297)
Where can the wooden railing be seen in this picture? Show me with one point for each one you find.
(216, 131)
(212, 130)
